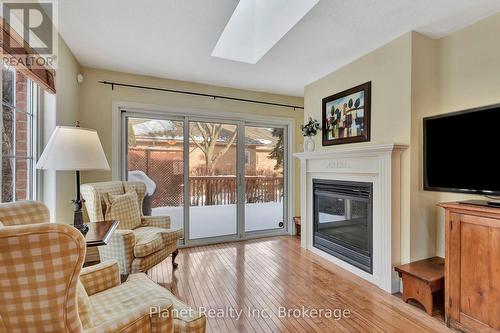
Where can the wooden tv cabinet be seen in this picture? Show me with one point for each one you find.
(472, 268)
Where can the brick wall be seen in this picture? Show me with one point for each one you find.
(22, 137)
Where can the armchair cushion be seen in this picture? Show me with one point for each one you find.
(94, 195)
(124, 208)
(138, 319)
(185, 319)
(124, 297)
(149, 240)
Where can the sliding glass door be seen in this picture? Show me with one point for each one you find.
(218, 180)
(213, 190)
(264, 178)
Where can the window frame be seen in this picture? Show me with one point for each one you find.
(32, 111)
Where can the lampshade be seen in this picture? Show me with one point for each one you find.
(73, 148)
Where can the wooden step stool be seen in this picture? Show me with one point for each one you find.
(423, 281)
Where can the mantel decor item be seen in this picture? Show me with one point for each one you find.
(309, 130)
(74, 149)
(346, 116)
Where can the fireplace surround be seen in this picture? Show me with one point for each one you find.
(375, 164)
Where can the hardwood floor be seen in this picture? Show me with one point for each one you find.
(266, 274)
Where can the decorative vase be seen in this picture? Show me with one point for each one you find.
(308, 144)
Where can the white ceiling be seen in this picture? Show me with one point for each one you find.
(174, 38)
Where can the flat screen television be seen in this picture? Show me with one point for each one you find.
(462, 151)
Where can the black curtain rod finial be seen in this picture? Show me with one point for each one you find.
(126, 85)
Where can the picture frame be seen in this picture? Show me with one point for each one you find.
(346, 116)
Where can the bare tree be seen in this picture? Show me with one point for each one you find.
(209, 134)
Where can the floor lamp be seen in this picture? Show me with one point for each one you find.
(74, 149)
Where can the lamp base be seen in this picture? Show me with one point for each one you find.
(82, 227)
(78, 218)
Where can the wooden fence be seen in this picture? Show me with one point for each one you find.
(166, 170)
(222, 190)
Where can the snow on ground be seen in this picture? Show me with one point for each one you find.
(211, 221)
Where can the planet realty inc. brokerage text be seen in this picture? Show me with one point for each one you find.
(237, 313)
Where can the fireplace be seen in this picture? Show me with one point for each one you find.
(372, 168)
(343, 221)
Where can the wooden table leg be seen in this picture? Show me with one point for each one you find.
(174, 255)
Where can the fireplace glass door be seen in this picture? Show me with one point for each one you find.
(343, 221)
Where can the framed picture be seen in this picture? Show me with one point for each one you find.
(346, 116)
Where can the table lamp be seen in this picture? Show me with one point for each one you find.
(74, 149)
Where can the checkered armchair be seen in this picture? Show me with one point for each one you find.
(137, 249)
(43, 288)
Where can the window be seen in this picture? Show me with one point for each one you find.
(18, 123)
(247, 158)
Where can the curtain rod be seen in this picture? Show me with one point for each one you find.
(113, 84)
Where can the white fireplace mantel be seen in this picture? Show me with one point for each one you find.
(379, 164)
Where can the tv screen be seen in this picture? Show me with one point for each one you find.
(462, 152)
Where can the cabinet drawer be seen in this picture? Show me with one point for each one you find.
(479, 220)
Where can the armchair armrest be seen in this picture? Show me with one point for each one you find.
(173, 235)
(153, 316)
(156, 221)
(120, 247)
(100, 277)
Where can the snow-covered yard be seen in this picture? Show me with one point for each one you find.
(210, 221)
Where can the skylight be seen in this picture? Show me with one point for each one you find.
(257, 25)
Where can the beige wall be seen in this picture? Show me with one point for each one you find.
(424, 99)
(96, 107)
(389, 70)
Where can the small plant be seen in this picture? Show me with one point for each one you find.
(311, 128)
